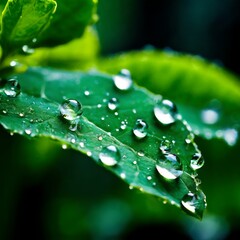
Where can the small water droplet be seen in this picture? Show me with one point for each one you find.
(166, 146)
(113, 104)
(64, 146)
(123, 175)
(12, 88)
(165, 112)
(169, 166)
(27, 50)
(21, 115)
(28, 131)
(109, 155)
(190, 138)
(86, 93)
(197, 161)
(123, 125)
(149, 178)
(230, 136)
(140, 153)
(71, 109)
(209, 116)
(100, 138)
(140, 129)
(123, 80)
(89, 154)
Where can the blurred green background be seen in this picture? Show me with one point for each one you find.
(50, 193)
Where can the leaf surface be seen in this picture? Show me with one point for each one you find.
(108, 119)
(69, 22)
(22, 22)
(207, 95)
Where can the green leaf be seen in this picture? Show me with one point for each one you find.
(35, 111)
(69, 21)
(23, 21)
(207, 95)
(78, 52)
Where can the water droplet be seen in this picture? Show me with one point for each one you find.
(166, 146)
(28, 131)
(113, 104)
(140, 153)
(27, 50)
(140, 129)
(123, 175)
(230, 136)
(166, 112)
(109, 155)
(86, 93)
(12, 88)
(169, 166)
(190, 138)
(73, 126)
(123, 80)
(149, 178)
(209, 116)
(100, 138)
(21, 115)
(71, 109)
(194, 203)
(64, 146)
(197, 161)
(123, 125)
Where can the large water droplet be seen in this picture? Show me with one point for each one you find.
(113, 104)
(110, 155)
(169, 166)
(209, 116)
(140, 129)
(194, 203)
(166, 112)
(189, 202)
(123, 80)
(197, 161)
(71, 109)
(12, 88)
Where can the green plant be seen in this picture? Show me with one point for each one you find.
(137, 113)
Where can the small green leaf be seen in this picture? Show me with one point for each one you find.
(126, 129)
(69, 22)
(23, 21)
(207, 95)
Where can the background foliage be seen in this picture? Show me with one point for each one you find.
(51, 193)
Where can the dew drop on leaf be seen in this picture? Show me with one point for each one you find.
(209, 116)
(123, 80)
(27, 50)
(194, 202)
(140, 129)
(165, 146)
(110, 155)
(165, 112)
(197, 161)
(12, 88)
(113, 104)
(71, 109)
(169, 166)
